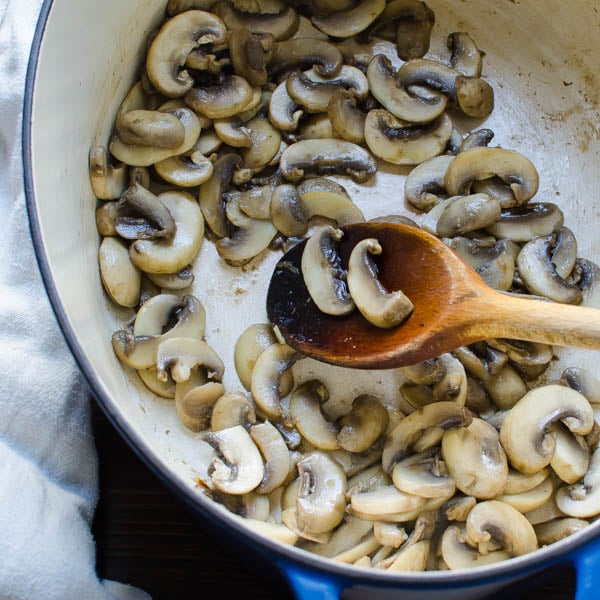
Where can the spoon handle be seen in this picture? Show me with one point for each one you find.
(542, 321)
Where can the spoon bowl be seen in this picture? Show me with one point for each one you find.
(454, 307)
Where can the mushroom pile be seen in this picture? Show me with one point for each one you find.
(242, 113)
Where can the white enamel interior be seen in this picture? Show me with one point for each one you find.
(542, 58)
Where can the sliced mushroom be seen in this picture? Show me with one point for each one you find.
(363, 425)
(523, 223)
(265, 141)
(322, 272)
(350, 21)
(108, 181)
(402, 143)
(321, 498)
(458, 507)
(173, 281)
(582, 500)
(164, 389)
(172, 255)
(120, 278)
(382, 502)
(313, 92)
(174, 7)
(284, 112)
(151, 128)
(465, 56)
(494, 521)
(524, 433)
(389, 534)
(426, 181)
(423, 474)
(231, 409)
(530, 500)
(411, 557)
(238, 467)
(444, 415)
(185, 171)
(210, 195)
(275, 454)
(308, 418)
(248, 56)
(302, 53)
(250, 237)
(325, 198)
(559, 529)
(458, 554)
(539, 274)
(483, 163)
(410, 106)
(475, 459)
(224, 99)
(176, 38)
(277, 532)
(181, 354)
(519, 483)
(330, 156)
(194, 409)
(571, 457)
(477, 139)
(379, 306)
(584, 382)
(145, 155)
(346, 117)
(287, 211)
(281, 25)
(268, 370)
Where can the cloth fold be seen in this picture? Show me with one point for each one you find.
(48, 461)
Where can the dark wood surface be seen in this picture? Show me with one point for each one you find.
(147, 537)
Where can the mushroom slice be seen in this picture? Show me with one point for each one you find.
(268, 370)
(524, 432)
(347, 119)
(120, 278)
(323, 274)
(224, 99)
(313, 92)
(277, 532)
(287, 211)
(265, 141)
(477, 139)
(427, 372)
(582, 500)
(379, 306)
(564, 255)
(423, 474)
(177, 37)
(493, 260)
(519, 483)
(411, 557)
(523, 223)
(345, 537)
(232, 131)
(232, 409)
(194, 408)
(465, 56)
(238, 467)
(458, 507)
(308, 418)
(426, 181)
(281, 25)
(402, 143)
(249, 346)
(354, 463)
(248, 56)
(284, 112)
(583, 382)
(559, 529)
(385, 500)
(475, 459)
(463, 214)
(363, 425)
(185, 171)
(108, 181)
(458, 554)
(389, 534)
(174, 7)
(494, 521)
(181, 355)
(275, 454)
(331, 156)
(250, 238)
(145, 155)
(255, 202)
(530, 500)
(208, 142)
(409, 106)
(173, 281)
(539, 275)
(350, 21)
(325, 198)
(302, 53)
(151, 128)
(483, 163)
(160, 388)
(321, 501)
(172, 255)
(444, 415)
(210, 195)
(571, 457)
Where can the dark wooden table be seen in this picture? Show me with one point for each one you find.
(147, 537)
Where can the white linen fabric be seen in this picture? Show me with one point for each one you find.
(48, 461)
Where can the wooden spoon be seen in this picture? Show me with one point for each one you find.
(453, 307)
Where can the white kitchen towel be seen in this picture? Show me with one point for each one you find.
(48, 462)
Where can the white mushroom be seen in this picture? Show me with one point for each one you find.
(458, 554)
(231, 409)
(275, 454)
(238, 467)
(363, 425)
(108, 181)
(423, 474)
(121, 279)
(379, 306)
(182, 354)
(582, 500)
(194, 408)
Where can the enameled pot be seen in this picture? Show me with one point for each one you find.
(543, 60)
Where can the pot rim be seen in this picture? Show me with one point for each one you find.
(538, 560)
